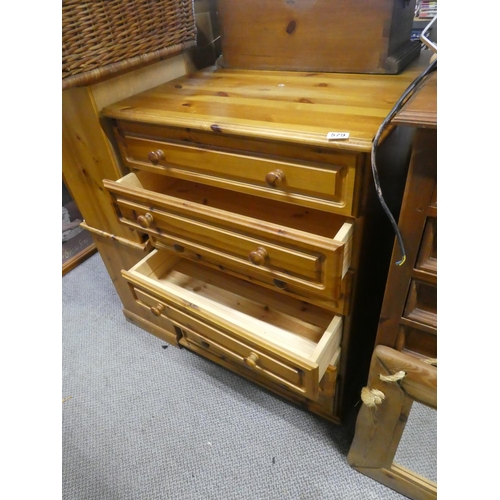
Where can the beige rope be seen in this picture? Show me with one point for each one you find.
(431, 361)
(393, 378)
(372, 397)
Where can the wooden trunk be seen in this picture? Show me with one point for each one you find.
(344, 36)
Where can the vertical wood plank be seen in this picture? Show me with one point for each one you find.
(87, 158)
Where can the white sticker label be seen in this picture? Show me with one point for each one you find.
(332, 136)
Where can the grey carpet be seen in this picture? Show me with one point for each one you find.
(146, 422)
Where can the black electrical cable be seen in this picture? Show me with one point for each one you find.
(399, 104)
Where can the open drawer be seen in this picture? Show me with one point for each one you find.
(296, 249)
(284, 340)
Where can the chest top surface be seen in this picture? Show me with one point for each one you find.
(273, 105)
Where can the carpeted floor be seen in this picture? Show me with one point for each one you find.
(141, 421)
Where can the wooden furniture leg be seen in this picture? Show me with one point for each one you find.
(381, 422)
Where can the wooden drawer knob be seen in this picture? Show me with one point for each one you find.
(252, 360)
(258, 256)
(155, 156)
(157, 310)
(279, 284)
(145, 220)
(275, 178)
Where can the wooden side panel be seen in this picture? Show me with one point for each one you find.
(401, 24)
(87, 154)
(87, 158)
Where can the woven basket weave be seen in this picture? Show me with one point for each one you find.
(101, 39)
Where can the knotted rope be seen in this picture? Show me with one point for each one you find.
(371, 397)
(374, 397)
(393, 378)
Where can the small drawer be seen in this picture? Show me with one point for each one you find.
(298, 250)
(417, 340)
(282, 340)
(421, 304)
(427, 254)
(327, 186)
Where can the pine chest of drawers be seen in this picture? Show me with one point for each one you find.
(270, 247)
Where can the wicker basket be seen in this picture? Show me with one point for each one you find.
(103, 38)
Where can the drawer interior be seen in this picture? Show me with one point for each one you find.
(287, 326)
(304, 219)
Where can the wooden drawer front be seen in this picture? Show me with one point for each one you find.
(416, 340)
(242, 242)
(325, 186)
(421, 305)
(231, 350)
(157, 310)
(281, 339)
(223, 344)
(427, 254)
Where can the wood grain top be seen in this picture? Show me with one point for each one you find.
(421, 108)
(274, 105)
